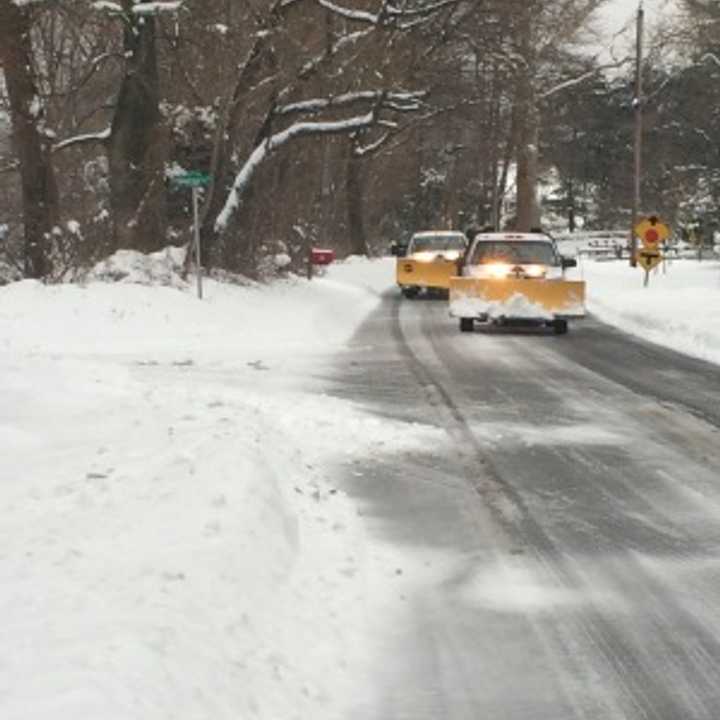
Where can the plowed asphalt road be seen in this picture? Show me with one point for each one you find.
(558, 544)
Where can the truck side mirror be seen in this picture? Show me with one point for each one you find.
(567, 262)
(398, 249)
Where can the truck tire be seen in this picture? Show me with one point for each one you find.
(467, 324)
(560, 327)
(409, 291)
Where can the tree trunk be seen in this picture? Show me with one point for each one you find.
(260, 63)
(528, 211)
(136, 146)
(502, 184)
(355, 203)
(32, 146)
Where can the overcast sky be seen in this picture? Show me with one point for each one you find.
(619, 14)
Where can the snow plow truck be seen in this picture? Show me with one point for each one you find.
(428, 261)
(515, 278)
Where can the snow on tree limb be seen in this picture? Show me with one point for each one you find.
(710, 56)
(572, 82)
(424, 10)
(350, 14)
(153, 8)
(387, 13)
(398, 101)
(346, 40)
(269, 145)
(98, 137)
(318, 104)
(105, 5)
(370, 148)
(141, 9)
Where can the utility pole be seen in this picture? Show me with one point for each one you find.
(638, 108)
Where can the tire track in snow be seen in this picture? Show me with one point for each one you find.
(642, 693)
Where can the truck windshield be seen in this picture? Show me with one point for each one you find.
(423, 243)
(514, 253)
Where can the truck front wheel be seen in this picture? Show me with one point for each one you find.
(467, 324)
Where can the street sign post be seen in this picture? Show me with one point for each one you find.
(649, 259)
(194, 180)
(653, 234)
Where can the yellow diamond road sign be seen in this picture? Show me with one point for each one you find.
(652, 232)
(649, 259)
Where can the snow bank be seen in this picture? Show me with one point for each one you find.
(174, 543)
(679, 309)
(8, 273)
(160, 268)
(161, 323)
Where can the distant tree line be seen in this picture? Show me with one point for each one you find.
(341, 123)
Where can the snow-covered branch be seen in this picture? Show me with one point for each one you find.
(269, 145)
(98, 137)
(350, 14)
(154, 8)
(140, 9)
(398, 101)
(572, 82)
(319, 104)
(370, 148)
(388, 13)
(345, 41)
(712, 57)
(423, 11)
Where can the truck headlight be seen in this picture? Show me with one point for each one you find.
(424, 256)
(499, 271)
(534, 271)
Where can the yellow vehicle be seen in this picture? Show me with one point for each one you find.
(428, 261)
(509, 278)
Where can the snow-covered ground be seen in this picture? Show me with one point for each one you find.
(680, 307)
(173, 543)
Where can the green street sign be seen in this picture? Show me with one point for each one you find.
(191, 179)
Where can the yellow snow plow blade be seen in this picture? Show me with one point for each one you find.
(516, 298)
(432, 274)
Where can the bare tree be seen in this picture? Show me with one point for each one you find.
(31, 140)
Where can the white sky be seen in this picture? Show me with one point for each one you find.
(620, 14)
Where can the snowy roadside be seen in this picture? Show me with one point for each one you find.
(173, 541)
(680, 308)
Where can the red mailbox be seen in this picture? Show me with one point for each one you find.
(319, 256)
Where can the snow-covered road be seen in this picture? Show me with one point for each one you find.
(556, 546)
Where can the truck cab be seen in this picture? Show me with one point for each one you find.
(428, 261)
